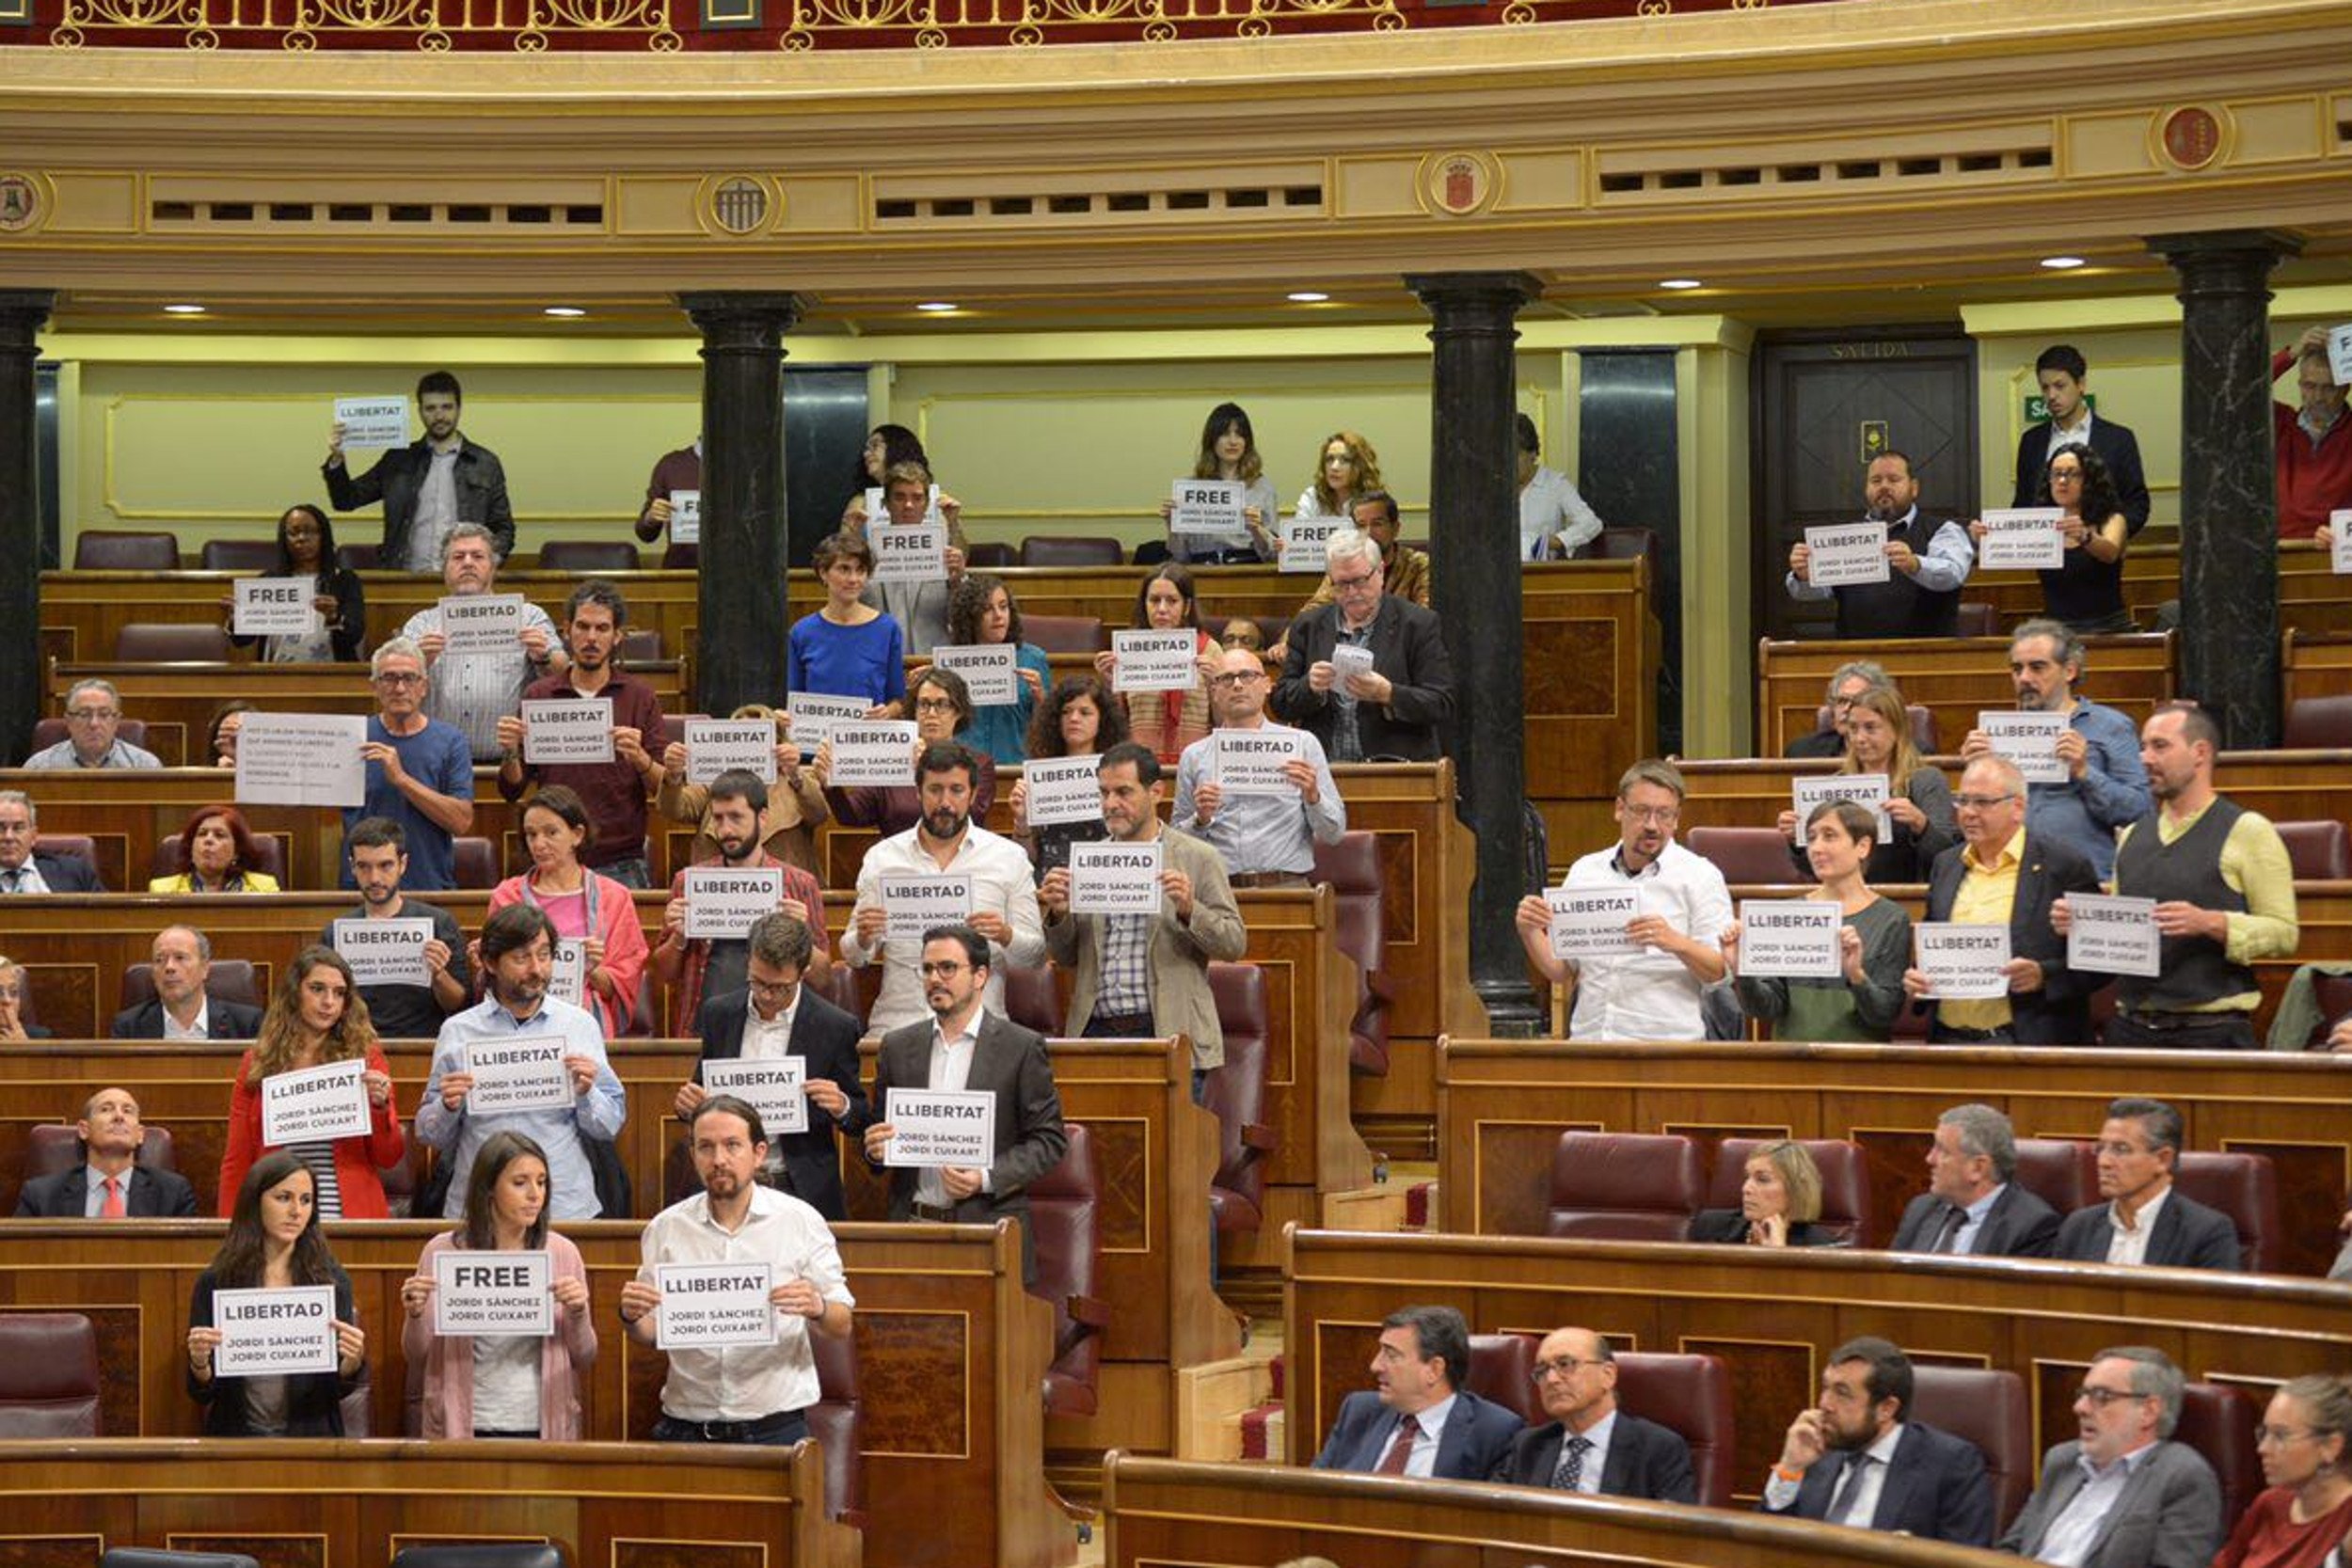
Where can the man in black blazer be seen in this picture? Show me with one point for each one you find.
(963, 1046)
(2001, 874)
(23, 869)
(2140, 1146)
(1417, 1420)
(2061, 372)
(784, 1019)
(181, 959)
(111, 1139)
(1590, 1445)
(1855, 1460)
(2166, 1512)
(1399, 706)
(1973, 1204)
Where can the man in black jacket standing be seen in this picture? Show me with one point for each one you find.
(2061, 372)
(428, 486)
(1367, 675)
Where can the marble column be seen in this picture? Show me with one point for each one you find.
(1475, 591)
(739, 654)
(22, 313)
(2228, 508)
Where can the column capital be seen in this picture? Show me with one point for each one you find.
(1500, 294)
(24, 312)
(2226, 260)
(744, 317)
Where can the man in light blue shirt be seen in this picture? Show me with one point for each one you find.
(93, 714)
(2107, 786)
(518, 962)
(1267, 840)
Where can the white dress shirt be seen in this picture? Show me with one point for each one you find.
(1422, 1460)
(1652, 996)
(2131, 1246)
(1001, 884)
(2069, 1539)
(768, 1039)
(201, 1029)
(1549, 509)
(1596, 1457)
(1779, 1494)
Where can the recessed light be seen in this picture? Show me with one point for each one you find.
(183, 309)
(1680, 283)
(566, 311)
(936, 307)
(1307, 296)
(2062, 264)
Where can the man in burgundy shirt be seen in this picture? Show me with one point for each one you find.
(2312, 440)
(695, 967)
(614, 792)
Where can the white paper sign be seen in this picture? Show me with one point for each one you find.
(815, 715)
(493, 1293)
(2024, 538)
(301, 759)
(989, 671)
(1863, 789)
(776, 1088)
(273, 606)
(724, 902)
(481, 622)
(1348, 659)
(2339, 354)
(1146, 660)
(2027, 737)
(1846, 555)
(715, 746)
(1790, 938)
(2340, 524)
(372, 424)
(1589, 923)
(686, 516)
(275, 1333)
(714, 1306)
(1115, 878)
(914, 903)
(941, 1127)
(314, 1104)
(1963, 963)
(567, 978)
(878, 754)
(525, 1074)
(909, 552)
(384, 952)
(1303, 539)
(2112, 935)
(1062, 790)
(1211, 508)
(559, 730)
(1249, 762)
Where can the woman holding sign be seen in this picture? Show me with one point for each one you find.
(339, 608)
(1919, 799)
(1780, 1202)
(981, 614)
(848, 648)
(524, 1384)
(274, 1244)
(1228, 451)
(887, 445)
(943, 711)
(1860, 1003)
(2087, 592)
(218, 850)
(316, 1019)
(595, 910)
(1082, 719)
(1168, 721)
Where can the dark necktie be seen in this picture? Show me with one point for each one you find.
(1400, 1449)
(1569, 1475)
(1946, 1239)
(1850, 1488)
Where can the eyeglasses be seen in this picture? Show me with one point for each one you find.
(1663, 816)
(2278, 1436)
(942, 971)
(1237, 677)
(770, 988)
(933, 704)
(1565, 1366)
(1340, 585)
(92, 715)
(400, 677)
(1981, 803)
(2104, 1396)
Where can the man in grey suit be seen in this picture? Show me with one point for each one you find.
(2122, 1495)
(963, 1046)
(2146, 1219)
(1590, 1445)
(1973, 1206)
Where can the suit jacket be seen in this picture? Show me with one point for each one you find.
(1646, 1460)
(2188, 1235)
(1475, 1443)
(1182, 1002)
(2019, 1225)
(313, 1399)
(2059, 1012)
(223, 1021)
(826, 1038)
(1408, 645)
(2117, 447)
(2169, 1514)
(67, 874)
(1935, 1488)
(154, 1194)
(1029, 1139)
(1731, 1225)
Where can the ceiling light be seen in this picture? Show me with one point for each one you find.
(183, 309)
(1307, 296)
(936, 307)
(566, 311)
(2062, 263)
(1680, 283)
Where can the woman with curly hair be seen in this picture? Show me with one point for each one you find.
(981, 614)
(1345, 468)
(2087, 591)
(1082, 718)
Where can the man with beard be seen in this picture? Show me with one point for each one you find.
(1973, 1206)
(2224, 891)
(2106, 787)
(1684, 906)
(420, 772)
(379, 858)
(1267, 840)
(1589, 1445)
(1853, 1459)
(745, 1393)
(429, 486)
(1002, 906)
(109, 1184)
(919, 608)
(964, 1046)
(1401, 701)
(517, 960)
(474, 691)
(1417, 1420)
(2124, 1494)
(695, 967)
(1928, 563)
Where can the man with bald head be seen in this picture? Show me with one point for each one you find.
(1589, 1445)
(108, 1184)
(180, 961)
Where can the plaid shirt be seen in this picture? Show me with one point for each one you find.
(1126, 983)
(685, 997)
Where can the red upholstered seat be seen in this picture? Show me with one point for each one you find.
(1977, 618)
(81, 847)
(358, 557)
(1744, 855)
(851, 989)
(1845, 1185)
(125, 550)
(2334, 994)
(2319, 852)
(239, 555)
(53, 1147)
(231, 980)
(1237, 1092)
(2061, 1172)
(2218, 1420)
(1689, 1396)
(475, 861)
(2246, 1188)
(1071, 549)
(641, 644)
(171, 642)
(837, 1422)
(169, 858)
(1990, 1409)
(48, 732)
(48, 1375)
(1065, 634)
(1062, 1206)
(588, 555)
(682, 558)
(1352, 866)
(989, 555)
(1502, 1369)
(1625, 1186)
(2313, 723)
(1031, 999)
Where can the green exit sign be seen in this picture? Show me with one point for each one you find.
(2038, 407)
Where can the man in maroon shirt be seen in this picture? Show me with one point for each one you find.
(2311, 440)
(614, 792)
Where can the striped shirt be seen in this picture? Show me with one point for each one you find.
(318, 1157)
(474, 691)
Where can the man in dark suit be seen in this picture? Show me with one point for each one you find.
(23, 869)
(2002, 874)
(1399, 706)
(2061, 372)
(12, 1024)
(1590, 1445)
(2121, 1495)
(1973, 1204)
(1417, 1420)
(1855, 1460)
(108, 1184)
(776, 1018)
(180, 959)
(963, 1046)
(2144, 1219)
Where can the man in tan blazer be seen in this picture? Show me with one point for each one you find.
(1147, 974)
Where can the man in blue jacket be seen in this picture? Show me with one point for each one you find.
(1853, 1459)
(1417, 1420)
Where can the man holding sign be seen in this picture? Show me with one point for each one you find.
(1259, 793)
(918, 605)
(387, 967)
(2080, 760)
(2310, 440)
(675, 474)
(1367, 675)
(1916, 593)
(695, 966)
(711, 1261)
(420, 771)
(428, 486)
(482, 647)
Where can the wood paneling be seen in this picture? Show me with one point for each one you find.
(2310, 594)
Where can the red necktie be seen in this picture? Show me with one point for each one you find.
(112, 1209)
(1400, 1449)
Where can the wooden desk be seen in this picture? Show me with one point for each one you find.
(307, 1503)
(1772, 1315)
(1504, 1104)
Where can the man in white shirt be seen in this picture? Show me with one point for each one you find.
(2143, 1218)
(742, 1393)
(2121, 1495)
(1685, 907)
(946, 842)
(1267, 840)
(1554, 522)
(475, 690)
(181, 961)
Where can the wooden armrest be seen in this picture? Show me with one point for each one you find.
(1258, 1136)
(1086, 1310)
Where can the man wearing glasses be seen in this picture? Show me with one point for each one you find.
(1367, 674)
(23, 870)
(93, 712)
(1589, 1445)
(1267, 839)
(419, 770)
(2123, 1494)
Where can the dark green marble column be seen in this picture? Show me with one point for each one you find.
(22, 313)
